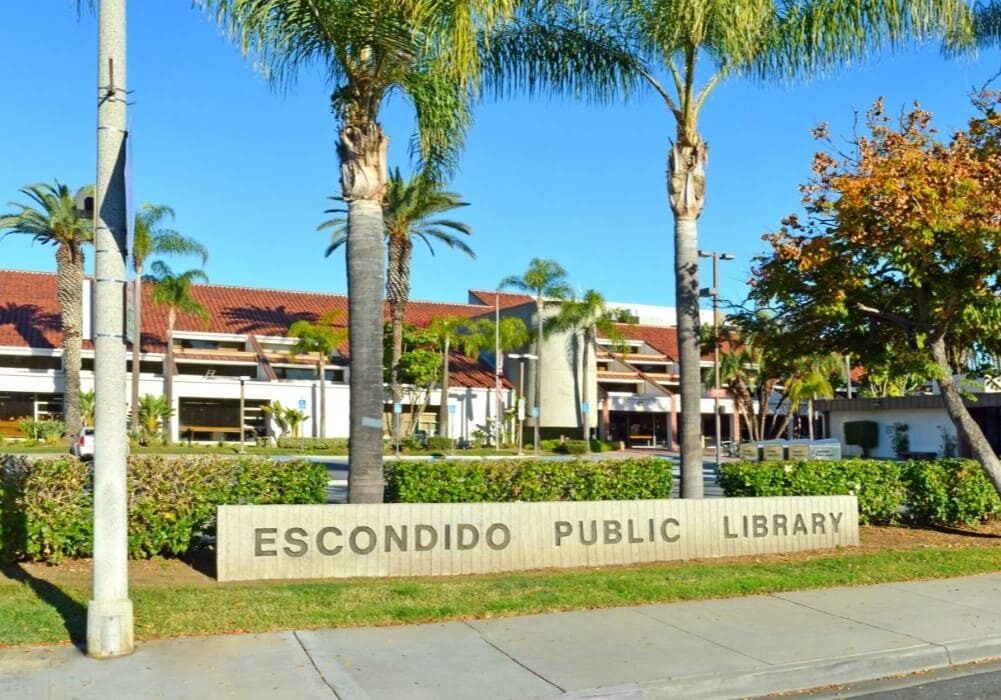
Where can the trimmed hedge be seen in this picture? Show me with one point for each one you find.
(942, 492)
(447, 481)
(314, 443)
(46, 506)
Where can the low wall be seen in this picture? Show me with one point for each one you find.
(435, 539)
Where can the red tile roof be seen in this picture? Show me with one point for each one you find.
(506, 300)
(29, 315)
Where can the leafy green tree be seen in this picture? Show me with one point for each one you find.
(426, 52)
(152, 238)
(898, 255)
(410, 210)
(812, 377)
(419, 369)
(173, 291)
(585, 318)
(546, 281)
(682, 51)
(321, 339)
(50, 218)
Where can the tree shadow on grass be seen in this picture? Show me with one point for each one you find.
(73, 613)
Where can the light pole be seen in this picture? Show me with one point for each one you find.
(521, 357)
(497, 372)
(242, 380)
(110, 629)
(713, 292)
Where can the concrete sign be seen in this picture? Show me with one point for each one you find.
(432, 539)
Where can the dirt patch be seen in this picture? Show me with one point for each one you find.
(199, 569)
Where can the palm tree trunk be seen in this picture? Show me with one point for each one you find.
(443, 404)
(69, 263)
(136, 346)
(168, 371)
(686, 191)
(321, 371)
(362, 153)
(952, 398)
(537, 388)
(397, 293)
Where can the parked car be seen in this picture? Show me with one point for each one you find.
(83, 444)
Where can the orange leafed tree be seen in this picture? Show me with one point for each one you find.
(899, 254)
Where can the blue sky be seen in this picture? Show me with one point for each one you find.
(248, 170)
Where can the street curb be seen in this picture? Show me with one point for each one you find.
(805, 675)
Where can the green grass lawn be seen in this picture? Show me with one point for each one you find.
(40, 605)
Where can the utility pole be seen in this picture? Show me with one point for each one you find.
(110, 628)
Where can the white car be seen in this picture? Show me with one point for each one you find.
(83, 444)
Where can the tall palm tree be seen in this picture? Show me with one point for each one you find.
(546, 281)
(424, 51)
(409, 211)
(173, 290)
(322, 339)
(585, 317)
(602, 49)
(151, 238)
(50, 218)
(810, 378)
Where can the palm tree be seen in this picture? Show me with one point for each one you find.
(613, 47)
(810, 378)
(150, 238)
(424, 51)
(409, 210)
(173, 290)
(51, 219)
(321, 338)
(546, 281)
(585, 318)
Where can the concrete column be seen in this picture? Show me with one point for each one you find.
(109, 612)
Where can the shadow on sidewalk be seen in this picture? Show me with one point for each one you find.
(74, 613)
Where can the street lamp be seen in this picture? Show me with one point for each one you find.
(713, 292)
(521, 357)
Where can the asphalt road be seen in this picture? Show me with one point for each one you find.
(981, 681)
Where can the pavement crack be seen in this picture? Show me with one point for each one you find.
(489, 643)
(856, 621)
(312, 662)
(703, 638)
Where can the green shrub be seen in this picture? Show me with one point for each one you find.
(447, 481)
(437, 443)
(548, 445)
(339, 445)
(600, 445)
(572, 447)
(879, 485)
(46, 509)
(864, 433)
(46, 506)
(950, 491)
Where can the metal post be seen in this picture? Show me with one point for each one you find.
(242, 380)
(521, 405)
(110, 628)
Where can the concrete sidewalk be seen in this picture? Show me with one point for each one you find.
(714, 649)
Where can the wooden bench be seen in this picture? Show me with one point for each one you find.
(190, 430)
(639, 438)
(8, 427)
